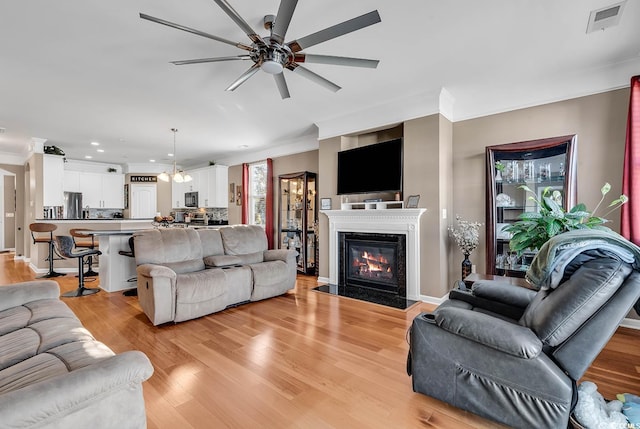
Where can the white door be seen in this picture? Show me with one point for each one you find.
(143, 201)
(1, 210)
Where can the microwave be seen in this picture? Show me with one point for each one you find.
(191, 199)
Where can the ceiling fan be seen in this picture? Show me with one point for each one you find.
(272, 55)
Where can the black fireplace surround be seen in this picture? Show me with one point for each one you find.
(373, 261)
(372, 267)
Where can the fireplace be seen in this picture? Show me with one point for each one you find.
(388, 225)
(373, 261)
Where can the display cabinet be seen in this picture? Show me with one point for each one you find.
(297, 216)
(538, 164)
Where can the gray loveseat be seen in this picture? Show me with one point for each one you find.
(54, 374)
(185, 273)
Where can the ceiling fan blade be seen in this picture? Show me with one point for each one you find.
(244, 77)
(283, 19)
(334, 31)
(226, 7)
(194, 31)
(211, 60)
(282, 85)
(298, 69)
(337, 61)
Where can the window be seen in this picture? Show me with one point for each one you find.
(257, 193)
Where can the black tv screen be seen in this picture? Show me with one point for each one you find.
(373, 168)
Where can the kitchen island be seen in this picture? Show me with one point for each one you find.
(112, 235)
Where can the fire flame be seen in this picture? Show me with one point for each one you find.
(375, 262)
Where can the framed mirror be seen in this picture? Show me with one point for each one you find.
(538, 164)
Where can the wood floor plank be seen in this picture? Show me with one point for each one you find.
(302, 360)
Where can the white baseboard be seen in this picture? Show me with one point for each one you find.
(323, 280)
(434, 300)
(19, 258)
(631, 323)
(58, 270)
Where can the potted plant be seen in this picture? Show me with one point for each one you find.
(533, 229)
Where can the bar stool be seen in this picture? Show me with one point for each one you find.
(64, 245)
(131, 254)
(46, 236)
(82, 240)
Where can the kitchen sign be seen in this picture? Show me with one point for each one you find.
(144, 179)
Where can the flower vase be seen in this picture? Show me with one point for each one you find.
(466, 266)
(498, 176)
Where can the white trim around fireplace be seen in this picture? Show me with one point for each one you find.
(386, 221)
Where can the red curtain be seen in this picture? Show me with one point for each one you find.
(245, 193)
(268, 221)
(630, 222)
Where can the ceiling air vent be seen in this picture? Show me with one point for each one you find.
(605, 17)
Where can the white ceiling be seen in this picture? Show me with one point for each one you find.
(73, 72)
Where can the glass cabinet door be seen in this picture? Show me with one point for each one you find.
(297, 217)
(537, 164)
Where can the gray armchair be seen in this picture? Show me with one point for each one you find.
(513, 355)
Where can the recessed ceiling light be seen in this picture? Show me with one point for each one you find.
(169, 154)
(243, 146)
(95, 144)
(100, 150)
(88, 156)
(152, 160)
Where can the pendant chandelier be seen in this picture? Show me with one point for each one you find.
(177, 176)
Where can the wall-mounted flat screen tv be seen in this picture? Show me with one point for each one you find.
(373, 168)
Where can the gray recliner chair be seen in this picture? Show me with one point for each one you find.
(513, 355)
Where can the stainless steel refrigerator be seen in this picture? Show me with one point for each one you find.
(73, 205)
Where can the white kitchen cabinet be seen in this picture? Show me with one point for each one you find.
(52, 178)
(210, 183)
(113, 191)
(177, 195)
(217, 193)
(102, 191)
(71, 181)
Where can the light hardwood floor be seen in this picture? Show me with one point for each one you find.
(302, 360)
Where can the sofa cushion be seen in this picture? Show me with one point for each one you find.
(243, 239)
(79, 354)
(211, 242)
(13, 319)
(200, 286)
(269, 279)
(183, 267)
(17, 346)
(36, 369)
(155, 246)
(555, 314)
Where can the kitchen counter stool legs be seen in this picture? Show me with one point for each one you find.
(65, 247)
(43, 233)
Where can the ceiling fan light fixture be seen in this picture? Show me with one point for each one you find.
(271, 67)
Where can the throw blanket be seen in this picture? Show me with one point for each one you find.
(547, 268)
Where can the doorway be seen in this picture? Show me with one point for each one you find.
(7, 210)
(143, 201)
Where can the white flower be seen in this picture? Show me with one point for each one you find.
(466, 235)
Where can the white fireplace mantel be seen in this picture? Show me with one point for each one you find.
(385, 221)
